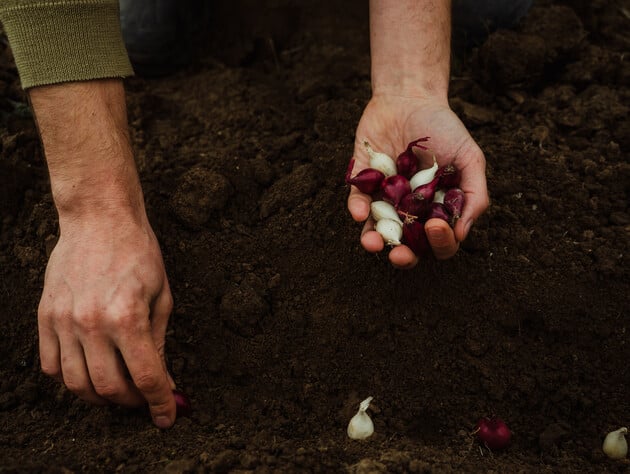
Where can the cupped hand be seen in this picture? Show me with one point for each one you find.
(389, 123)
(103, 315)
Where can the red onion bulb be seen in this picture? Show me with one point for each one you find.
(493, 433)
(395, 188)
(454, 200)
(182, 402)
(367, 180)
(428, 190)
(413, 206)
(438, 211)
(415, 237)
(407, 162)
(449, 176)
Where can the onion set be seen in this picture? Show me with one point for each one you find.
(615, 445)
(406, 196)
(361, 425)
(182, 404)
(493, 433)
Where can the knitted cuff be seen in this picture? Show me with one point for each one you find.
(57, 41)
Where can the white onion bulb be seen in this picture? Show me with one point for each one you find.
(439, 196)
(424, 176)
(384, 210)
(390, 230)
(361, 426)
(615, 445)
(380, 161)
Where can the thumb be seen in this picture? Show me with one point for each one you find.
(147, 372)
(162, 403)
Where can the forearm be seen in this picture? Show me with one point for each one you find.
(410, 47)
(83, 127)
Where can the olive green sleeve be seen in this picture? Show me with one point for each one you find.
(57, 41)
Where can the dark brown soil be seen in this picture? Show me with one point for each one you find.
(283, 323)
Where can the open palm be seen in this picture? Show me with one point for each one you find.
(389, 123)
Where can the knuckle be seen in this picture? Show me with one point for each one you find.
(147, 382)
(161, 407)
(88, 321)
(128, 320)
(76, 387)
(44, 309)
(50, 369)
(103, 386)
(54, 317)
(106, 389)
(44, 313)
(130, 315)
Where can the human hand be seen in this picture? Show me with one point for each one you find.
(106, 300)
(389, 123)
(104, 312)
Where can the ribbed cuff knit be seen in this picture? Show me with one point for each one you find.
(57, 41)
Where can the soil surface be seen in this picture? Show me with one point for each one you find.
(283, 323)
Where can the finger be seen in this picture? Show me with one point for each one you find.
(372, 241)
(75, 372)
(147, 371)
(160, 314)
(400, 257)
(358, 205)
(49, 353)
(107, 374)
(475, 188)
(403, 258)
(442, 238)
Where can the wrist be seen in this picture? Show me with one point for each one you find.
(105, 184)
(432, 88)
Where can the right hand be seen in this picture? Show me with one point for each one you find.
(104, 312)
(389, 122)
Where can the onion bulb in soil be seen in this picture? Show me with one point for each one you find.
(361, 425)
(429, 193)
(182, 403)
(615, 445)
(493, 433)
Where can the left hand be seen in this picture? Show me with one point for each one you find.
(389, 123)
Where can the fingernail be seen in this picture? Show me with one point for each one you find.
(162, 422)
